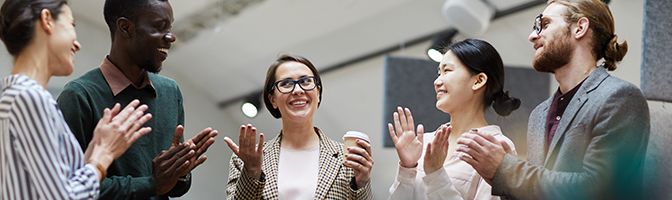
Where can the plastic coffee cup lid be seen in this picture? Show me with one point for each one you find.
(356, 134)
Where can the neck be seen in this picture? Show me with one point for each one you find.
(298, 135)
(122, 61)
(465, 120)
(580, 67)
(33, 62)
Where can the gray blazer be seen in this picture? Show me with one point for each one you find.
(597, 151)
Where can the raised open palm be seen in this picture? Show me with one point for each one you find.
(407, 141)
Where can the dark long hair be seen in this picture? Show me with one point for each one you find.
(18, 19)
(481, 57)
(270, 80)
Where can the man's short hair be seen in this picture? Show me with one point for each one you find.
(114, 9)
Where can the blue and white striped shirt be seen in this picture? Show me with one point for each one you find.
(39, 156)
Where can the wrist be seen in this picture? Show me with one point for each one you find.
(413, 165)
(254, 173)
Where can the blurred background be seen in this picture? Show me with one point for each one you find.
(225, 46)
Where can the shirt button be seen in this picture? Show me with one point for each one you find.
(562, 99)
(557, 118)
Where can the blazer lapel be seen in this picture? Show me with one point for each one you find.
(594, 80)
(270, 167)
(330, 164)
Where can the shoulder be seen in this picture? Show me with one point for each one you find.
(617, 92)
(91, 80)
(159, 80)
(26, 97)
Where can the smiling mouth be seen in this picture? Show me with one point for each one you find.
(298, 103)
(163, 50)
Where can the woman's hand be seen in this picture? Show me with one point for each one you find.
(407, 142)
(437, 150)
(249, 150)
(116, 132)
(360, 159)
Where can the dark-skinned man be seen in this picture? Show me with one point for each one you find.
(159, 165)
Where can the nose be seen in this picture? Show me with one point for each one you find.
(77, 46)
(297, 90)
(170, 37)
(533, 36)
(437, 83)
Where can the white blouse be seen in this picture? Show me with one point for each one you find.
(297, 173)
(457, 180)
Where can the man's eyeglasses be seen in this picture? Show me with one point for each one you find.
(307, 83)
(536, 27)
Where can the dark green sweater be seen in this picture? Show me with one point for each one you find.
(82, 102)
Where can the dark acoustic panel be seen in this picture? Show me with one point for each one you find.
(409, 82)
(656, 59)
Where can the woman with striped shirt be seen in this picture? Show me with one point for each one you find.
(39, 156)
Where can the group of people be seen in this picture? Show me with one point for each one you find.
(116, 132)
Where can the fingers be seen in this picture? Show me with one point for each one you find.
(397, 124)
(138, 123)
(469, 146)
(200, 136)
(428, 152)
(107, 116)
(179, 133)
(469, 160)
(420, 133)
(203, 145)
(128, 110)
(231, 145)
(138, 134)
(366, 146)
(129, 122)
(393, 135)
(409, 118)
(115, 110)
(260, 147)
(402, 118)
(180, 159)
(506, 146)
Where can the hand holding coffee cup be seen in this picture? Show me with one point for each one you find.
(357, 151)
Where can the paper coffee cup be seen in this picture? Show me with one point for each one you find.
(350, 139)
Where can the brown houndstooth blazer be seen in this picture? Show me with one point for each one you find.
(333, 182)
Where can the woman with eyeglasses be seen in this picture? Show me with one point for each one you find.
(39, 156)
(301, 162)
(470, 79)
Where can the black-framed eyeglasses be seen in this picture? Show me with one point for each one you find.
(536, 27)
(307, 83)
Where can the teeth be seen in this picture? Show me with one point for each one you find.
(164, 50)
(298, 103)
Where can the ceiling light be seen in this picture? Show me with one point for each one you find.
(439, 44)
(470, 17)
(251, 105)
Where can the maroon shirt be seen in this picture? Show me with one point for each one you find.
(558, 106)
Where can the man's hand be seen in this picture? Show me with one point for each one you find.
(483, 152)
(200, 142)
(169, 165)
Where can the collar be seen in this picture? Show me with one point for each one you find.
(118, 81)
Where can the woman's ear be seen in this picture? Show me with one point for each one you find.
(271, 97)
(479, 81)
(46, 21)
